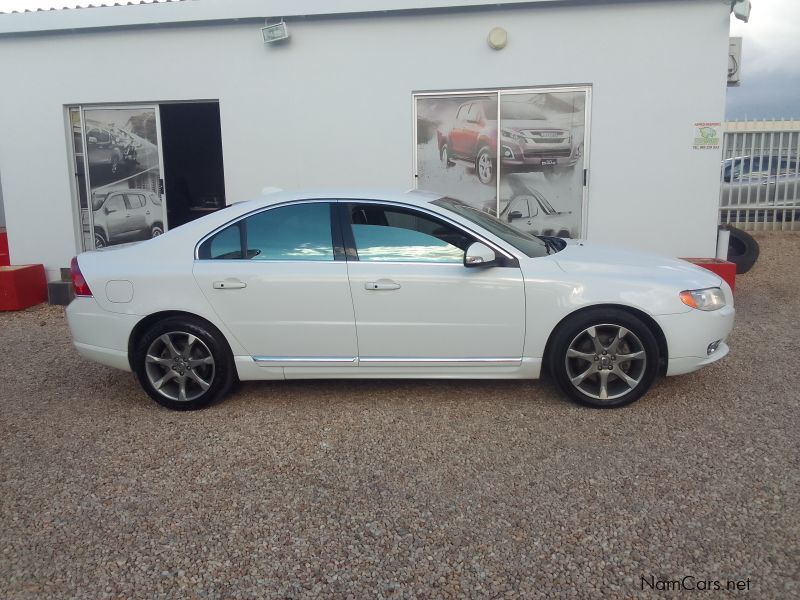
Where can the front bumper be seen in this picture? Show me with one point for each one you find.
(534, 155)
(689, 335)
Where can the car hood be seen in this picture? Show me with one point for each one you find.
(520, 125)
(580, 256)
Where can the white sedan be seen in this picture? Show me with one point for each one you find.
(389, 285)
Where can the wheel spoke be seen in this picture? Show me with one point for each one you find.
(598, 346)
(168, 376)
(621, 333)
(197, 362)
(170, 346)
(199, 380)
(190, 340)
(587, 356)
(182, 389)
(625, 377)
(632, 356)
(578, 379)
(604, 385)
(164, 362)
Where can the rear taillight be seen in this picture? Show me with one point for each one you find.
(79, 284)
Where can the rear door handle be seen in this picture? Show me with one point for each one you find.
(381, 284)
(229, 284)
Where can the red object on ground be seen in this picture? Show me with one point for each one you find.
(723, 268)
(4, 258)
(22, 286)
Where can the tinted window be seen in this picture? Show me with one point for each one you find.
(296, 232)
(134, 200)
(391, 234)
(227, 244)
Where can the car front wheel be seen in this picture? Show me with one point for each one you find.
(604, 358)
(183, 364)
(484, 166)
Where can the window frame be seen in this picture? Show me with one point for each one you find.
(336, 235)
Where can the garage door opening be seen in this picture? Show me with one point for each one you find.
(191, 147)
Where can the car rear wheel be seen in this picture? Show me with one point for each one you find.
(604, 358)
(484, 166)
(156, 231)
(183, 364)
(99, 240)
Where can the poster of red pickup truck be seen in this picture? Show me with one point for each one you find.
(518, 155)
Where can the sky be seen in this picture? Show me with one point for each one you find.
(770, 86)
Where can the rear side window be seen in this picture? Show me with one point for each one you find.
(294, 232)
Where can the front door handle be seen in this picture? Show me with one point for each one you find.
(381, 284)
(229, 284)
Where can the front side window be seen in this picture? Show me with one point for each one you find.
(115, 204)
(294, 232)
(384, 233)
(530, 245)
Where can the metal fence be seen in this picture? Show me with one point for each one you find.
(760, 175)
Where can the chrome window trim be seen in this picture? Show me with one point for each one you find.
(443, 217)
(406, 359)
(297, 359)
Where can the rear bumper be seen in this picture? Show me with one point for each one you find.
(689, 335)
(100, 335)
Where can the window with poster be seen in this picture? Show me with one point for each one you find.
(518, 154)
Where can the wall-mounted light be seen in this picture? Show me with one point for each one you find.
(275, 33)
(498, 38)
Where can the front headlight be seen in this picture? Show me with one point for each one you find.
(705, 299)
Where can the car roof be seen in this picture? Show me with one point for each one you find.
(414, 197)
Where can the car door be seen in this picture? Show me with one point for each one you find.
(136, 219)
(116, 217)
(286, 297)
(416, 304)
(520, 213)
(457, 133)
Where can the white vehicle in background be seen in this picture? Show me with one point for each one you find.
(527, 209)
(124, 216)
(343, 284)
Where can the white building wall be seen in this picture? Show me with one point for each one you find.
(333, 106)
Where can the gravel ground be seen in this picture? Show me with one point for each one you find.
(404, 489)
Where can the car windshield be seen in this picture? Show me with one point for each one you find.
(97, 199)
(528, 244)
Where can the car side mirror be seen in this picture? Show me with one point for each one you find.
(108, 211)
(479, 255)
(514, 214)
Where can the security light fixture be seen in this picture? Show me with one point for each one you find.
(741, 9)
(275, 33)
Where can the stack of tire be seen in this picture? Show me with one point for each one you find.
(743, 250)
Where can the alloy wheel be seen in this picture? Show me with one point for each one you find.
(485, 167)
(606, 362)
(179, 366)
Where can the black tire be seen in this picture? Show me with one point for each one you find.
(444, 155)
(100, 240)
(220, 375)
(743, 250)
(156, 230)
(485, 167)
(572, 333)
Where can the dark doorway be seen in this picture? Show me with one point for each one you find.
(191, 145)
